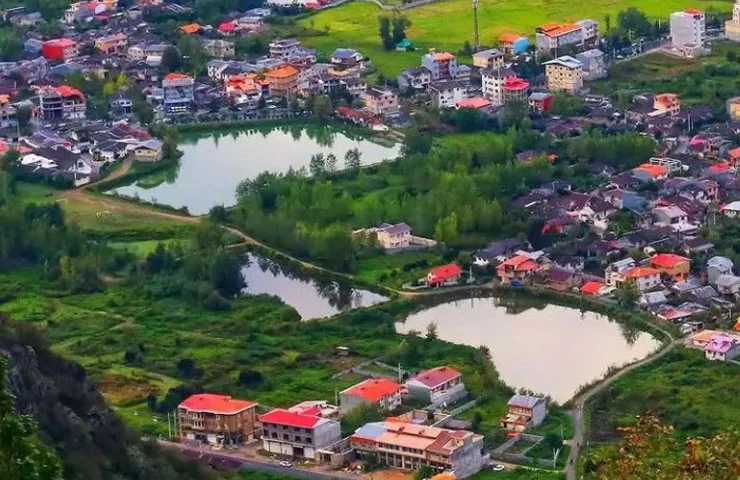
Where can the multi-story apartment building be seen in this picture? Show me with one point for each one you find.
(409, 446)
(493, 84)
(442, 65)
(297, 434)
(384, 393)
(178, 93)
(564, 74)
(283, 48)
(381, 101)
(524, 411)
(688, 28)
(8, 113)
(217, 419)
(283, 81)
(732, 26)
(60, 49)
(594, 66)
(552, 37)
(590, 29)
(115, 43)
(61, 103)
(491, 58)
(436, 385)
(515, 89)
(142, 51)
(446, 94)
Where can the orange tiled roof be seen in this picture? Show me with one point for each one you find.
(667, 260)
(175, 76)
(442, 56)
(190, 28)
(639, 272)
(653, 170)
(554, 29)
(282, 72)
(509, 37)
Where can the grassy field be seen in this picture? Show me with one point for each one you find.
(519, 474)
(447, 24)
(696, 396)
(708, 80)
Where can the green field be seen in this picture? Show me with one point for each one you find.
(447, 24)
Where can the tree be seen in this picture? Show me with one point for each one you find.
(607, 22)
(171, 60)
(331, 162)
(417, 142)
(317, 164)
(386, 37)
(11, 47)
(322, 107)
(193, 54)
(399, 28)
(432, 331)
(513, 114)
(635, 21)
(352, 159)
(628, 293)
(567, 105)
(424, 473)
(251, 378)
(446, 230)
(554, 442)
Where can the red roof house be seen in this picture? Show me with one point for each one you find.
(214, 403)
(516, 268)
(436, 384)
(591, 288)
(214, 418)
(373, 391)
(444, 275)
(59, 49)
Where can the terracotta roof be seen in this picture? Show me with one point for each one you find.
(520, 262)
(373, 389)
(176, 76)
(282, 72)
(653, 170)
(591, 288)
(640, 272)
(443, 56)
(436, 376)
(475, 102)
(554, 29)
(67, 91)
(515, 83)
(291, 419)
(446, 271)
(668, 260)
(190, 28)
(213, 403)
(509, 37)
(61, 42)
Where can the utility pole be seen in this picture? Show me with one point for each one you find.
(476, 39)
(169, 427)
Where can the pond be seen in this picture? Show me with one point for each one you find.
(214, 163)
(544, 348)
(311, 297)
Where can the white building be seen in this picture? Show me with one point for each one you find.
(688, 29)
(446, 94)
(732, 27)
(493, 84)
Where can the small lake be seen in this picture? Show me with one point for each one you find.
(214, 163)
(545, 348)
(311, 297)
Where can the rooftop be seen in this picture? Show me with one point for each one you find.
(280, 416)
(373, 389)
(436, 376)
(213, 403)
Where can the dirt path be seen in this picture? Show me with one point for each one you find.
(581, 400)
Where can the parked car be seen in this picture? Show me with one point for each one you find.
(286, 464)
(497, 467)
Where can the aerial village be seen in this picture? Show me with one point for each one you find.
(662, 263)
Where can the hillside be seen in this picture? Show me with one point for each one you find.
(89, 439)
(448, 24)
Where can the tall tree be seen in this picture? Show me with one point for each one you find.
(386, 36)
(352, 159)
(171, 60)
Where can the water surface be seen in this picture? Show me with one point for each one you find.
(214, 163)
(311, 297)
(545, 348)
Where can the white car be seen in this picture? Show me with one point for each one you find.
(497, 467)
(286, 464)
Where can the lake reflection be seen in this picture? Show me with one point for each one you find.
(213, 164)
(549, 349)
(312, 298)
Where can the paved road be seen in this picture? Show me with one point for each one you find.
(577, 411)
(231, 462)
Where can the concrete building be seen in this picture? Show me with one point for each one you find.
(409, 446)
(284, 48)
(61, 103)
(417, 78)
(297, 434)
(553, 37)
(493, 84)
(446, 94)
(219, 48)
(524, 411)
(8, 113)
(491, 58)
(733, 107)
(384, 393)
(441, 66)
(177, 93)
(645, 278)
(564, 74)
(60, 49)
(732, 26)
(688, 28)
(381, 101)
(594, 66)
(283, 81)
(218, 419)
(437, 385)
(590, 29)
(149, 150)
(115, 43)
(515, 89)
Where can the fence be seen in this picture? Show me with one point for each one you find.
(502, 452)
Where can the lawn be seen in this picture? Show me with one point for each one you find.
(395, 270)
(519, 474)
(447, 24)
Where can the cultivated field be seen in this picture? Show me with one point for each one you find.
(447, 24)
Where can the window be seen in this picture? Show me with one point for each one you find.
(273, 435)
(298, 439)
(286, 436)
(308, 440)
